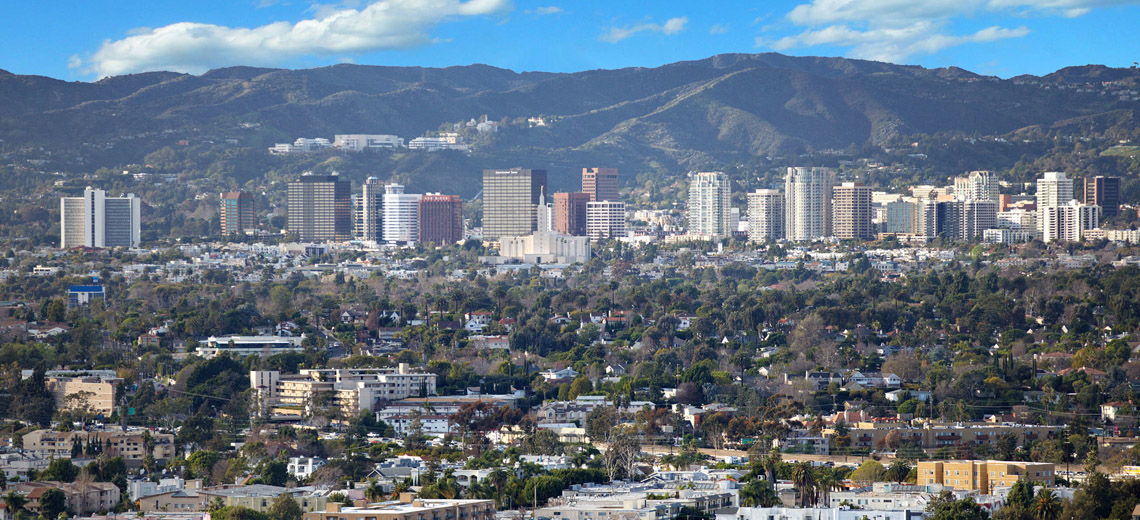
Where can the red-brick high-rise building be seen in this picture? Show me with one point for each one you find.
(570, 213)
(600, 183)
(441, 219)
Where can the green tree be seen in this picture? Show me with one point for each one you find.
(803, 479)
(1047, 506)
(944, 507)
(758, 493)
(62, 470)
(869, 472)
(52, 503)
(284, 508)
(897, 471)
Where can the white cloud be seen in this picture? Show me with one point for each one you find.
(718, 29)
(670, 27)
(74, 62)
(893, 43)
(1069, 8)
(197, 47)
(545, 10)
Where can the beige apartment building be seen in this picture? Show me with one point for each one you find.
(350, 390)
(410, 508)
(73, 389)
(80, 497)
(257, 497)
(116, 443)
(878, 436)
(983, 475)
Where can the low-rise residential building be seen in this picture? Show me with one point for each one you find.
(131, 444)
(818, 513)
(410, 508)
(351, 389)
(80, 497)
(92, 390)
(891, 435)
(646, 501)
(983, 475)
(257, 497)
(242, 346)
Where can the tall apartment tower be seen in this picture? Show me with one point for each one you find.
(570, 213)
(510, 201)
(1103, 192)
(401, 215)
(851, 211)
(807, 199)
(1065, 223)
(320, 208)
(370, 211)
(976, 217)
(710, 199)
(96, 220)
(978, 185)
(600, 183)
(441, 219)
(765, 215)
(605, 219)
(1054, 189)
(236, 211)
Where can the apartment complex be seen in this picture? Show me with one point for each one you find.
(370, 211)
(410, 508)
(851, 211)
(73, 389)
(600, 183)
(242, 346)
(765, 215)
(510, 198)
(1105, 193)
(320, 208)
(351, 390)
(890, 436)
(1066, 222)
(570, 213)
(979, 185)
(96, 220)
(131, 444)
(983, 475)
(258, 497)
(82, 498)
(605, 219)
(401, 215)
(441, 219)
(807, 199)
(710, 202)
(236, 212)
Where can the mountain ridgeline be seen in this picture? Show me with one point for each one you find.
(723, 107)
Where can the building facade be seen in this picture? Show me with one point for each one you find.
(96, 220)
(441, 219)
(370, 212)
(320, 208)
(401, 215)
(570, 213)
(1066, 223)
(807, 199)
(765, 215)
(979, 185)
(605, 219)
(983, 475)
(410, 508)
(1105, 193)
(510, 198)
(600, 183)
(710, 199)
(851, 211)
(236, 213)
(1054, 189)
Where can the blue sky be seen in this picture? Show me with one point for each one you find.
(86, 40)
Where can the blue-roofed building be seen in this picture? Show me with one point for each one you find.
(84, 294)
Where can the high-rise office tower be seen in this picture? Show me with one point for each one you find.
(902, 217)
(441, 219)
(96, 220)
(570, 213)
(600, 183)
(320, 208)
(1103, 192)
(765, 215)
(510, 199)
(1065, 223)
(977, 216)
(370, 211)
(978, 185)
(710, 198)
(236, 213)
(605, 219)
(807, 199)
(401, 215)
(851, 211)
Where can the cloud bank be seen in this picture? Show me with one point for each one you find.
(197, 47)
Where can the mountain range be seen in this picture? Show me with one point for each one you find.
(722, 107)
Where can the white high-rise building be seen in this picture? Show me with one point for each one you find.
(1065, 223)
(370, 212)
(765, 215)
(401, 215)
(605, 219)
(710, 198)
(978, 185)
(1054, 189)
(96, 220)
(807, 199)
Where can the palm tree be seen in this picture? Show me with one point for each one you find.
(374, 492)
(1047, 506)
(803, 478)
(826, 482)
(13, 502)
(757, 493)
(898, 471)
